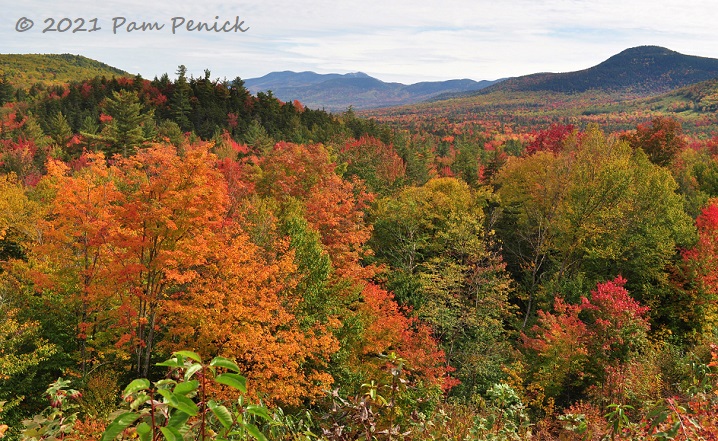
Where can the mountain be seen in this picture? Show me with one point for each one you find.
(641, 71)
(336, 92)
(24, 70)
(694, 103)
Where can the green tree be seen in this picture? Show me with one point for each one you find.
(22, 350)
(593, 211)
(445, 265)
(126, 132)
(6, 91)
(125, 126)
(60, 132)
(180, 107)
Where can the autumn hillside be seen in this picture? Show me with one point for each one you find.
(183, 259)
(642, 70)
(24, 70)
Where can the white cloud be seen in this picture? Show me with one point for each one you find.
(397, 40)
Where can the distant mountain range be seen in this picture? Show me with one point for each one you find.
(641, 71)
(336, 92)
(636, 72)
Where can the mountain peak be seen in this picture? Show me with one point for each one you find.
(336, 92)
(646, 50)
(642, 70)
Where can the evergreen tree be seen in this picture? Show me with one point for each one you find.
(180, 107)
(6, 91)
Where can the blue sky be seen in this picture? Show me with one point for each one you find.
(394, 40)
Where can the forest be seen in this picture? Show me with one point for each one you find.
(181, 259)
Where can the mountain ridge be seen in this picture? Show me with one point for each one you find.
(337, 92)
(641, 70)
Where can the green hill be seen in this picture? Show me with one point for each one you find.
(24, 70)
(697, 98)
(639, 71)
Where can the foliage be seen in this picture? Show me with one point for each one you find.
(140, 217)
(661, 140)
(239, 307)
(594, 211)
(578, 346)
(51, 69)
(444, 264)
(57, 421)
(702, 265)
(506, 419)
(377, 164)
(22, 351)
(182, 403)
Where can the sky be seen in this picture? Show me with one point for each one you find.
(405, 41)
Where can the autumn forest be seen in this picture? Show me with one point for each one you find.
(181, 259)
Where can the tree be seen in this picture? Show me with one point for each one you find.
(578, 345)
(125, 124)
(552, 139)
(59, 130)
(374, 162)
(243, 306)
(596, 210)
(701, 263)
(334, 207)
(445, 265)
(22, 351)
(661, 139)
(171, 210)
(18, 219)
(74, 255)
(7, 92)
(180, 106)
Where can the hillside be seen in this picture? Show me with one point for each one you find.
(525, 265)
(24, 70)
(641, 71)
(697, 98)
(336, 92)
(628, 88)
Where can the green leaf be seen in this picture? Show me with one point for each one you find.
(167, 394)
(186, 387)
(165, 383)
(139, 401)
(674, 429)
(136, 385)
(658, 419)
(190, 355)
(185, 405)
(179, 402)
(254, 431)
(222, 413)
(171, 433)
(192, 370)
(225, 363)
(118, 425)
(144, 431)
(259, 411)
(233, 380)
(177, 419)
(172, 362)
